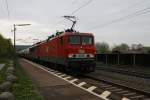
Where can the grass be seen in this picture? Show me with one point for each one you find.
(3, 70)
(23, 89)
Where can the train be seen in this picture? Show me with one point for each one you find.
(70, 50)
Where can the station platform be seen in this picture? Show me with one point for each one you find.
(52, 87)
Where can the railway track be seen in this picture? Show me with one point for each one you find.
(117, 90)
(125, 71)
(120, 89)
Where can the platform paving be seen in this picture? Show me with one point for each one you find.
(52, 87)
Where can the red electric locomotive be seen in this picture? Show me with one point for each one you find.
(74, 50)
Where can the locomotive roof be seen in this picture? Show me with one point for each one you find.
(76, 33)
(63, 34)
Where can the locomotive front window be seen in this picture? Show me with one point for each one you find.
(74, 40)
(87, 40)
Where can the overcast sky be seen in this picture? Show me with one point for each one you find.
(111, 21)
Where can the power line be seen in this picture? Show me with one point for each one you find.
(75, 10)
(74, 1)
(122, 10)
(129, 7)
(81, 7)
(135, 14)
(7, 7)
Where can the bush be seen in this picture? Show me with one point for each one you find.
(6, 47)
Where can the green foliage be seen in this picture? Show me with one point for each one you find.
(122, 47)
(6, 48)
(3, 71)
(102, 47)
(23, 89)
(148, 51)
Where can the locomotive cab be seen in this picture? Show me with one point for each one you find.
(81, 52)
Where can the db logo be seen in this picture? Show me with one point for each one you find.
(81, 51)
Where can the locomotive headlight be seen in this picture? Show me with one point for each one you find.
(91, 55)
(70, 55)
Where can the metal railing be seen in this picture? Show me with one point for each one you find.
(124, 59)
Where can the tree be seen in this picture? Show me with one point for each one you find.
(6, 48)
(148, 51)
(137, 46)
(102, 47)
(121, 48)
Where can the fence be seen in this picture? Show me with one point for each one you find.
(124, 59)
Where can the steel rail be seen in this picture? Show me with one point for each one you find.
(146, 93)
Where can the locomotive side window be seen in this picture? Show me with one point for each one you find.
(74, 40)
(87, 40)
(32, 49)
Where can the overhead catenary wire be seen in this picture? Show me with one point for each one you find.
(129, 7)
(84, 5)
(74, 1)
(75, 11)
(7, 8)
(135, 14)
